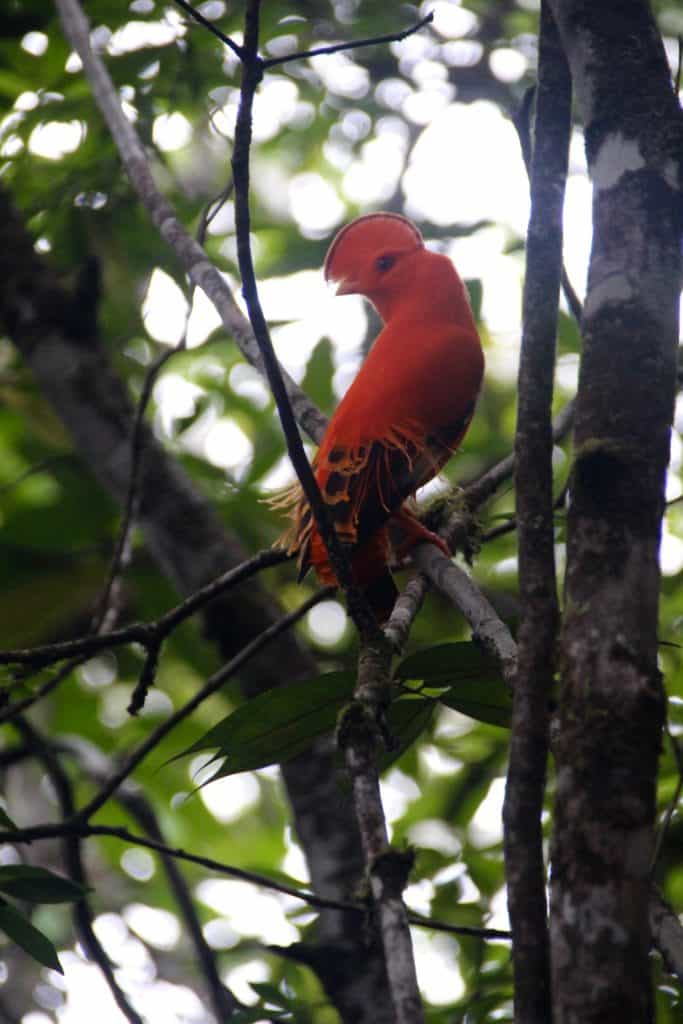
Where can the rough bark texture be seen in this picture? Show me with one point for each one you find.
(191, 547)
(387, 869)
(523, 837)
(612, 700)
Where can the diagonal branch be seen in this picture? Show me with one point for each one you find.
(189, 253)
(356, 44)
(252, 73)
(145, 633)
(82, 911)
(211, 686)
(209, 25)
(131, 797)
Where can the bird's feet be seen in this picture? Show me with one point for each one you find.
(410, 532)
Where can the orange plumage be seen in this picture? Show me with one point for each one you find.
(406, 411)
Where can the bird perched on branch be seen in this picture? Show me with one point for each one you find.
(406, 411)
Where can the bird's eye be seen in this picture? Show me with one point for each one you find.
(384, 263)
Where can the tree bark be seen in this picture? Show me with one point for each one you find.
(612, 701)
(525, 787)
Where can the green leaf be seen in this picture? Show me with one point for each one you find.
(407, 718)
(255, 1014)
(6, 821)
(487, 701)
(38, 885)
(475, 289)
(20, 930)
(472, 680)
(270, 993)
(277, 725)
(317, 380)
(463, 660)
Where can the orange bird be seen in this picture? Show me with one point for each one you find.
(406, 411)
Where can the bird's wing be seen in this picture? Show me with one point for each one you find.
(365, 485)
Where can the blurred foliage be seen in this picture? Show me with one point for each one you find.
(58, 528)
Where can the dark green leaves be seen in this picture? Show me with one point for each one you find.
(37, 885)
(20, 930)
(33, 885)
(279, 724)
(469, 679)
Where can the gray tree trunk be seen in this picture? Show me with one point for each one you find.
(612, 699)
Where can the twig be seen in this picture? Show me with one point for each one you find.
(122, 548)
(77, 828)
(404, 613)
(320, 51)
(149, 634)
(522, 123)
(526, 777)
(198, 17)
(252, 73)
(82, 912)
(360, 730)
(131, 797)
(190, 255)
(214, 683)
(9, 711)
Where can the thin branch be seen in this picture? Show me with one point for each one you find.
(522, 123)
(148, 634)
(84, 831)
(405, 611)
(201, 20)
(320, 51)
(252, 74)
(122, 548)
(17, 707)
(487, 626)
(82, 911)
(540, 616)
(359, 734)
(212, 685)
(358, 737)
(190, 255)
(131, 797)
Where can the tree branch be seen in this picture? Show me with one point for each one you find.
(252, 74)
(320, 51)
(191, 256)
(214, 683)
(359, 741)
(611, 709)
(523, 837)
(82, 911)
(131, 797)
(145, 633)
(311, 899)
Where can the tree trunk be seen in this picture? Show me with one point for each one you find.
(612, 700)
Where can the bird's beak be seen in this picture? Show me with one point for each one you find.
(347, 286)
